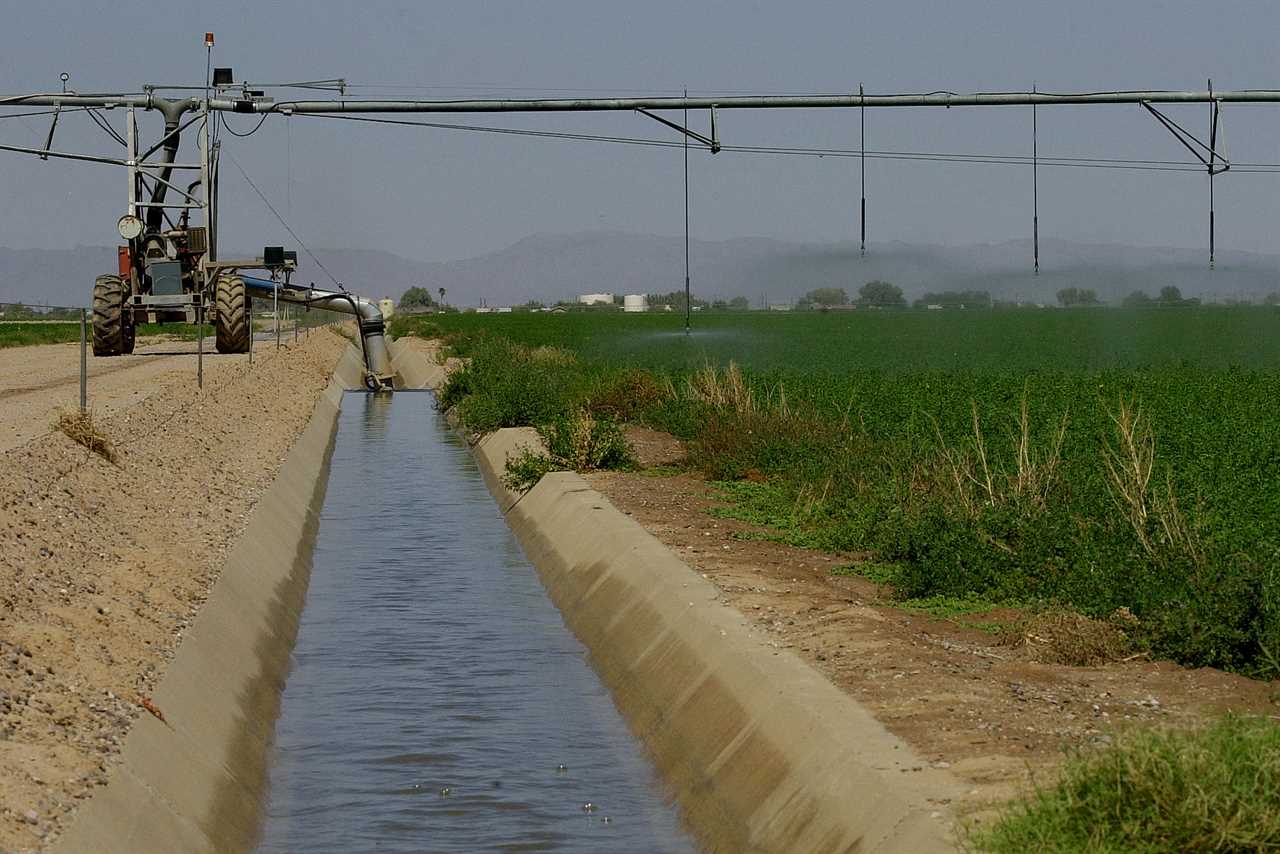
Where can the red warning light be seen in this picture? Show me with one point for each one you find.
(208, 39)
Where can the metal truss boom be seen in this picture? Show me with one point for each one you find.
(245, 100)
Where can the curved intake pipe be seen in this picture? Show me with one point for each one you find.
(172, 111)
(373, 342)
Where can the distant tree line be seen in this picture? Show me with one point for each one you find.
(874, 294)
(1170, 297)
(676, 300)
(20, 311)
(417, 298)
(1072, 297)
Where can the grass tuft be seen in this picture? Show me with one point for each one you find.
(1216, 788)
(80, 427)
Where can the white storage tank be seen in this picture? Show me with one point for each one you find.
(387, 307)
(635, 302)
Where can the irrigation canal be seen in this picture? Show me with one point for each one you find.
(437, 702)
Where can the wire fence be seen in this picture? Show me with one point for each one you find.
(25, 325)
(20, 312)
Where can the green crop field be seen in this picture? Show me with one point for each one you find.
(900, 341)
(24, 334)
(1123, 463)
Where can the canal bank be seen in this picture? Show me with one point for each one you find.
(760, 753)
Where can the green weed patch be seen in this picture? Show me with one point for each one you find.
(1213, 789)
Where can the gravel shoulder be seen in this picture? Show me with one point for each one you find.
(102, 565)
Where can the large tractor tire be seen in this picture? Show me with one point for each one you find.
(232, 325)
(112, 331)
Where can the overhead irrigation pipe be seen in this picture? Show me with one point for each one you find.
(739, 102)
(931, 99)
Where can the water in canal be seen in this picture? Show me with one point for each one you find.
(437, 702)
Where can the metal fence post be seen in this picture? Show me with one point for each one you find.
(200, 346)
(84, 359)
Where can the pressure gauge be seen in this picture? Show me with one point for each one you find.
(130, 227)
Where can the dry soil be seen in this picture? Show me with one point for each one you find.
(103, 565)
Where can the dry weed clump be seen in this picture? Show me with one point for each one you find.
(722, 389)
(80, 427)
(1154, 514)
(727, 390)
(628, 395)
(976, 480)
(557, 357)
(1060, 636)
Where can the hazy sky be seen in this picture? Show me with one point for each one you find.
(435, 194)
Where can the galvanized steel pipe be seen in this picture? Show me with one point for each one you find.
(369, 320)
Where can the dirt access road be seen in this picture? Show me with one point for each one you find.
(103, 565)
(36, 381)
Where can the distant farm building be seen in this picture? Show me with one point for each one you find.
(595, 299)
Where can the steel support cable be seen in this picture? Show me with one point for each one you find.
(997, 159)
(585, 137)
(106, 127)
(282, 221)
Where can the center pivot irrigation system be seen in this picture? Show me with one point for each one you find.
(170, 268)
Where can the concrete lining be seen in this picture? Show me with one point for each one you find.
(413, 370)
(197, 780)
(762, 752)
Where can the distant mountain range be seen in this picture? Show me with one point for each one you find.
(552, 267)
